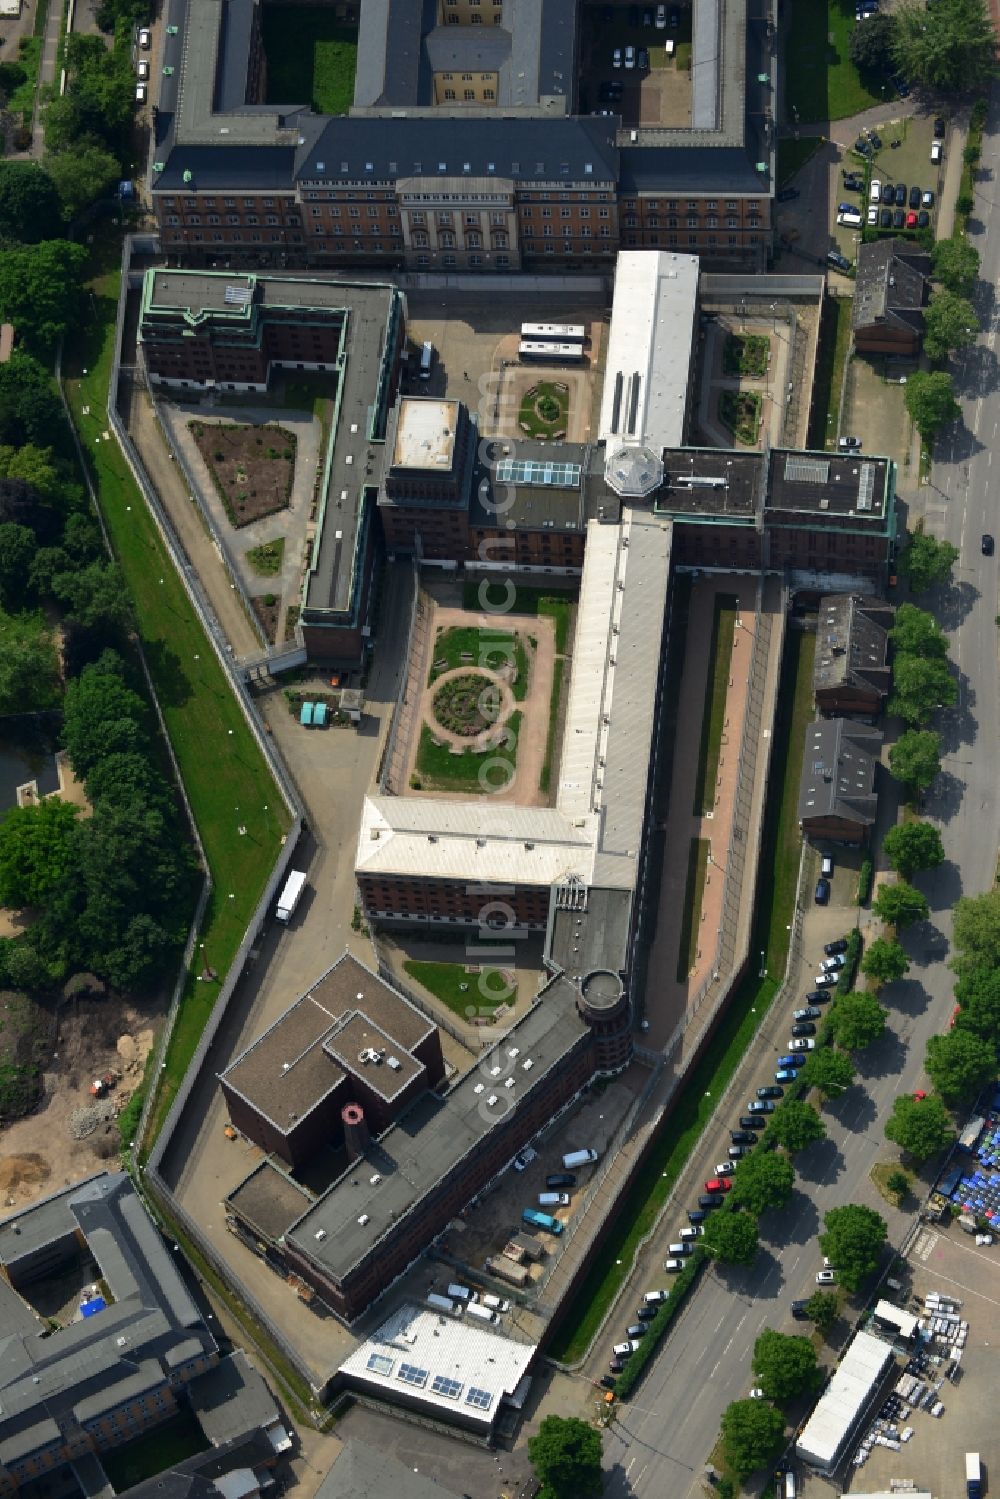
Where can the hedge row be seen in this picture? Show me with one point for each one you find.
(865, 876)
(684, 1282)
(852, 957)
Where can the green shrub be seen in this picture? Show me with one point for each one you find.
(865, 876)
(852, 957)
(682, 1285)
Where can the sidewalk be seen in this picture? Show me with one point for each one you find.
(46, 72)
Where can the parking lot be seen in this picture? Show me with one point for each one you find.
(908, 164)
(656, 90)
(947, 1261)
(875, 409)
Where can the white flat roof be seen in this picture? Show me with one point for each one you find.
(843, 1403)
(425, 434)
(896, 1317)
(650, 347)
(453, 1367)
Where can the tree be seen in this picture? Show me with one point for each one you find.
(752, 1434)
(94, 595)
(920, 1126)
(917, 633)
(82, 173)
(763, 1180)
(29, 667)
(29, 407)
(853, 1241)
(960, 1064)
(731, 1238)
(976, 932)
(795, 1125)
(956, 264)
(823, 1307)
(930, 401)
(126, 780)
(828, 1070)
(29, 204)
(35, 467)
(949, 47)
(913, 845)
(37, 851)
(857, 1020)
(898, 1183)
(17, 547)
(915, 758)
(919, 687)
(25, 968)
(41, 289)
(950, 323)
(927, 561)
(785, 1365)
(101, 715)
(900, 905)
(884, 961)
(871, 47)
(566, 1455)
(978, 993)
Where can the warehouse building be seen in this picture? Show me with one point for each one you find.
(848, 1399)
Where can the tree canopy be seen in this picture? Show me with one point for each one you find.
(900, 905)
(29, 204)
(956, 264)
(565, 1453)
(910, 846)
(871, 45)
(786, 1366)
(927, 561)
(915, 758)
(920, 687)
(978, 993)
(17, 548)
(102, 716)
(828, 1070)
(930, 401)
(960, 1064)
(948, 47)
(853, 1242)
(950, 323)
(823, 1307)
(857, 1020)
(763, 1180)
(917, 633)
(920, 1126)
(29, 407)
(41, 289)
(731, 1238)
(752, 1433)
(29, 666)
(37, 852)
(795, 1125)
(884, 961)
(82, 172)
(976, 932)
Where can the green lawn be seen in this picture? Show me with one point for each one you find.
(558, 607)
(821, 82)
(545, 410)
(438, 769)
(693, 891)
(793, 155)
(226, 778)
(834, 346)
(779, 862)
(311, 57)
(714, 714)
(487, 648)
(445, 980)
(146, 1456)
(545, 779)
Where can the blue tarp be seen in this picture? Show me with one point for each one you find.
(91, 1308)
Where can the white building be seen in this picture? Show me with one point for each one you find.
(845, 1403)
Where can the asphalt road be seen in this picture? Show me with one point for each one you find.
(658, 1445)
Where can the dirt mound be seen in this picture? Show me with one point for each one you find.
(22, 1171)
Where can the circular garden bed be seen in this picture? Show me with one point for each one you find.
(468, 705)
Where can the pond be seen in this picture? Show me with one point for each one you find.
(28, 757)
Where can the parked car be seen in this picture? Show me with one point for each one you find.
(833, 948)
(140, 93)
(629, 58)
(915, 196)
(661, 18)
(642, 59)
(911, 220)
(144, 38)
(802, 1043)
(623, 1350)
(756, 1393)
(885, 218)
(770, 1092)
(833, 963)
(846, 445)
(799, 1311)
(696, 1215)
(637, 1330)
(752, 1121)
(875, 191)
(560, 1179)
(837, 260)
(710, 1200)
(847, 208)
(792, 1061)
(787, 194)
(647, 18)
(822, 892)
(724, 1168)
(760, 1106)
(898, 219)
(939, 129)
(852, 182)
(616, 1365)
(826, 863)
(872, 216)
(741, 1137)
(739, 1151)
(825, 980)
(850, 219)
(807, 1012)
(804, 1028)
(142, 69)
(717, 1184)
(786, 1075)
(524, 1158)
(695, 1231)
(683, 1247)
(672, 1266)
(927, 198)
(646, 1313)
(826, 1277)
(900, 194)
(936, 152)
(616, 58)
(608, 1382)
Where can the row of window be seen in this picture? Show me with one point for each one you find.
(585, 232)
(712, 222)
(565, 213)
(672, 204)
(469, 95)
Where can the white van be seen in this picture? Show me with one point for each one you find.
(426, 360)
(935, 151)
(496, 1303)
(442, 1304)
(791, 1487)
(653, 1298)
(553, 1199)
(481, 1313)
(578, 1158)
(461, 1293)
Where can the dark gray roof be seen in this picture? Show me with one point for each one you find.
(526, 506)
(232, 1400)
(852, 643)
(363, 1472)
(392, 67)
(838, 772)
(692, 168)
(892, 285)
(592, 937)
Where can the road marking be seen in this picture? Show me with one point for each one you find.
(925, 1243)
